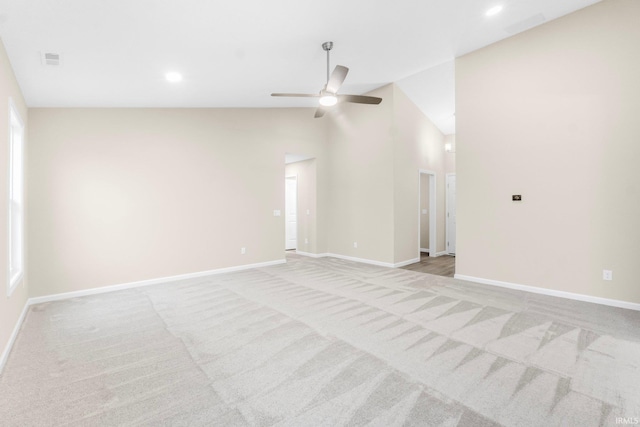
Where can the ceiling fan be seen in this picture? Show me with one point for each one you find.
(329, 93)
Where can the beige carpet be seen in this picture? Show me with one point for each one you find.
(322, 342)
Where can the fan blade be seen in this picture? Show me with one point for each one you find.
(299, 95)
(360, 99)
(337, 78)
(319, 113)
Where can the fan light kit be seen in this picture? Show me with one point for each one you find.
(328, 100)
(328, 96)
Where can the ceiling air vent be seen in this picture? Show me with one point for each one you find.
(50, 59)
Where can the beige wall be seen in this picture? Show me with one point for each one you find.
(418, 145)
(375, 157)
(305, 172)
(552, 114)
(10, 306)
(123, 195)
(361, 179)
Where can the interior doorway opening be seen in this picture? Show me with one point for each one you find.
(300, 213)
(427, 215)
(291, 213)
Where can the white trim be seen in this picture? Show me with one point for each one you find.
(112, 288)
(309, 254)
(437, 254)
(17, 278)
(552, 292)
(14, 335)
(407, 262)
(425, 250)
(361, 260)
(446, 211)
(348, 258)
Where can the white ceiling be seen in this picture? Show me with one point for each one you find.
(235, 53)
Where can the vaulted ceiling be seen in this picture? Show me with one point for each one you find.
(234, 54)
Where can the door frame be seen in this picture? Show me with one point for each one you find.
(446, 210)
(432, 210)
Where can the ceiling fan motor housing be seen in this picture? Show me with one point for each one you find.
(328, 95)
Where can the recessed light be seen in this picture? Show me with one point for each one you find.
(494, 10)
(173, 77)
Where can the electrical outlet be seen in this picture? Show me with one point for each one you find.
(243, 251)
(355, 244)
(306, 241)
(607, 275)
(276, 212)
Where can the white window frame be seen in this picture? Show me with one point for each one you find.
(15, 232)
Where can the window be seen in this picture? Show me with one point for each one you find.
(16, 198)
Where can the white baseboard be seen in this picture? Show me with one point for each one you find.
(407, 262)
(437, 254)
(309, 254)
(112, 288)
(552, 292)
(12, 338)
(361, 260)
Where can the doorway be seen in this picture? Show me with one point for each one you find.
(427, 213)
(291, 212)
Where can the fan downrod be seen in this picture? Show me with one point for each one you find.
(327, 46)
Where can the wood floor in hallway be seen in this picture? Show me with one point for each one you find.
(444, 265)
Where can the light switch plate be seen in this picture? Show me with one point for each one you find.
(276, 212)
